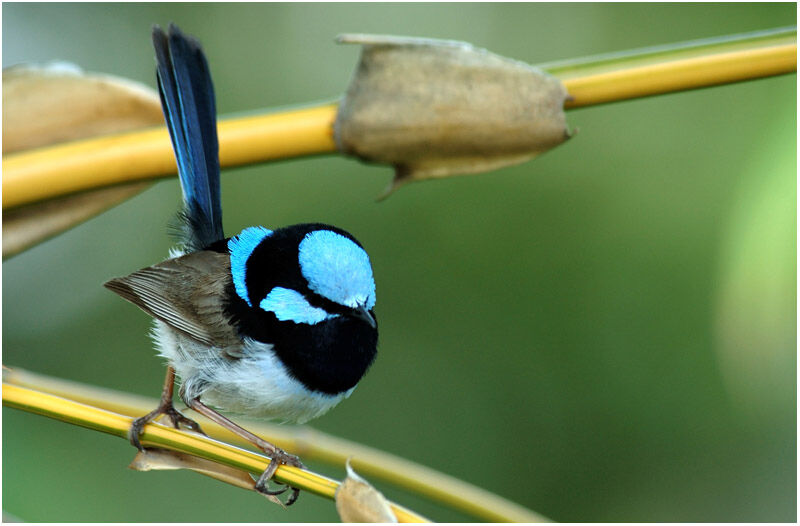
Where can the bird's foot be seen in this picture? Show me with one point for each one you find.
(278, 457)
(177, 419)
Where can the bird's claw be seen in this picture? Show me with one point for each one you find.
(136, 430)
(278, 458)
(177, 419)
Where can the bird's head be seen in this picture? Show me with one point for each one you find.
(304, 273)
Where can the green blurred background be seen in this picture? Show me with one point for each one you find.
(607, 333)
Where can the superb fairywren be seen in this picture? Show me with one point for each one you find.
(270, 323)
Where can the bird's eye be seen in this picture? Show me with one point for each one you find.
(290, 305)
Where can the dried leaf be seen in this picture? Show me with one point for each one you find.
(29, 225)
(162, 459)
(57, 102)
(54, 103)
(435, 108)
(358, 501)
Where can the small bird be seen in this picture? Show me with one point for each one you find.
(267, 323)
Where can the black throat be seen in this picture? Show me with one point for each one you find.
(328, 357)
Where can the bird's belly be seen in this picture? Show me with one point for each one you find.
(254, 384)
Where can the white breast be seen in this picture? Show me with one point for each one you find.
(254, 384)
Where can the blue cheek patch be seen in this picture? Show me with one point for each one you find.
(290, 305)
(337, 268)
(240, 248)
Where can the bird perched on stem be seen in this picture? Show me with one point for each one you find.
(267, 323)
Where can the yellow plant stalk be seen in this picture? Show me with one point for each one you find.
(49, 172)
(157, 435)
(309, 444)
(689, 73)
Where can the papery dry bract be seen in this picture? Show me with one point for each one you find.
(163, 459)
(435, 108)
(56, 103)
(358, 501)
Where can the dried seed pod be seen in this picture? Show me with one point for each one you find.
(435, 108)
(358, 501)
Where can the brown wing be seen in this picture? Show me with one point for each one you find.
(186, 293)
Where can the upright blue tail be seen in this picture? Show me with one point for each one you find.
(187, 98)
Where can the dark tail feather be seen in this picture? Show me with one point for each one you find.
(187, 98)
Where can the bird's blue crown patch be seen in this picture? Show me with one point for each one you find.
(240, 248)
(337, 269)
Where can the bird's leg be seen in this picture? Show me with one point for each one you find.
(276, 454)
(165, 407)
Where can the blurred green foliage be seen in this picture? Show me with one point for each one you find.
(604, 334)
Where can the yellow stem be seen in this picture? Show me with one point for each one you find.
(43, 173)
(157, 435)
(58, 170)
(678, 75)
(309, 444)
